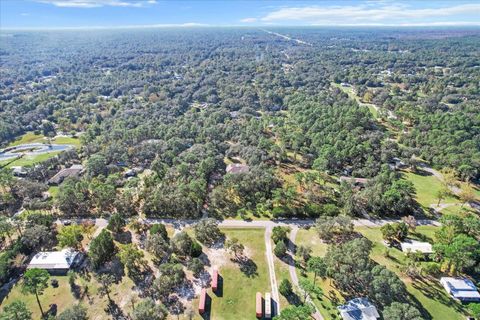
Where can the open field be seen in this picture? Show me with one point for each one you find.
(237, 301)
(353, 95)
(31, 137)
(29, 160)
(28, 137)
(427, 187)
(428, 292)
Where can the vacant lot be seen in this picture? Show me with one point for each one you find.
(240, 282)
(427, 187)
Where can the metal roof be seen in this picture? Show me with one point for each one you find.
(54, 259)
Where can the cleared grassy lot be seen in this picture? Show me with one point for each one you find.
(237, 300)
(425, 292)
(239, 287)
(427, 187)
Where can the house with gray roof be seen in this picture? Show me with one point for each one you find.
(358, 309)
(461, 289)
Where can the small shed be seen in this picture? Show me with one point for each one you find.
(410, 245)
(268, 306)
(215, 279)
(462, 289)
(203, 301)
(258, 305)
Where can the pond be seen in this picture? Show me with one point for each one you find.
(31, 149)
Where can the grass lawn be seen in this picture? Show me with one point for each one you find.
(281, 272)
(427, 188)
(29, 160)
(61, 296)
(327, 303)
(67, 140)
(458, 210)
(28, 137)
(31, 137)
(238, 298)
(428, 293)
(53, 190)
(310, 238)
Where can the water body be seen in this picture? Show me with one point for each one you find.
(31, 149)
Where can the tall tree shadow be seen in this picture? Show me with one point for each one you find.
(247, 266)
(114, 310)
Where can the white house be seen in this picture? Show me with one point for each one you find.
(410, 245)
(56, 262)
(358, 309)
(461, 289)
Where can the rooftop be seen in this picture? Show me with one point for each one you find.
(54, 259)
(237, 168)
(74, 170)
(461, 288)
(358, 309)
(416, 246)
(354, 180)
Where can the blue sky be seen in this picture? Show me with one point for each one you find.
(38, 14)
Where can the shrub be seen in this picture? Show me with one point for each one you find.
(196, 249)
(285, 288)
(158, 228)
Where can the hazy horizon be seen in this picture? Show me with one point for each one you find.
(86, 14)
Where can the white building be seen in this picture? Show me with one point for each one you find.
(358, 309)
(268, 305)
(416, 246)
(461, 289)
(235, 168)
(56, 262)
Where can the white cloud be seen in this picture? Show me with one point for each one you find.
(372, 12)
(98, 3)
(249, 20)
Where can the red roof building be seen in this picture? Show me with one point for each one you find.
(203, 301)
(258, 305)
(215, 280)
